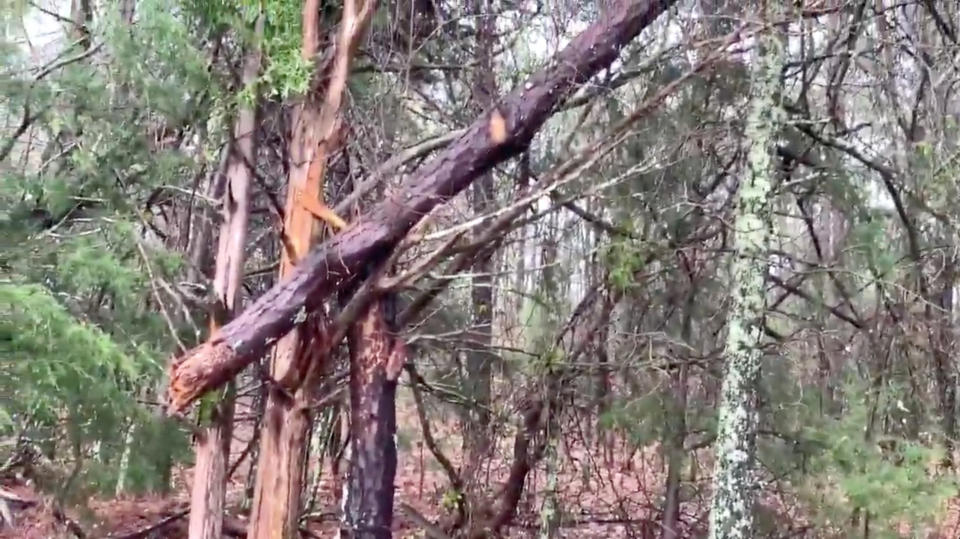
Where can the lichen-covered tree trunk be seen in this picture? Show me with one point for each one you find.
(213, 439)
(731, 512)
(376, 360)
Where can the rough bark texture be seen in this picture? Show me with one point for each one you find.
(213, 439)
(280, 468)
(731, 512)
(297, 360)
(376, 361)
(333, 264)
(209, 473)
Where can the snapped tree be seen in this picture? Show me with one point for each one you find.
(374, 234)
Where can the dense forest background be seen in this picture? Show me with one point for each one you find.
(553, 268)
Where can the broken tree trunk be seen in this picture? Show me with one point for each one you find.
(376, 359)
(495, 136)
(299, 355)
(214, 435)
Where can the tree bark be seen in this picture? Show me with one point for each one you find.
(297, 362)
(942, 342)
(213, 439)
(479, 358)
(81, 13)
(734, 482)
(525, 458)
(676, 434)
(376, 360)
(280, 467)
(332, 265)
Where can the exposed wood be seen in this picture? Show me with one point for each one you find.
(276, 505)
(333, 264)
(301, 355)
(213, 438)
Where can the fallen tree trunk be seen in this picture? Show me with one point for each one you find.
(495, 136)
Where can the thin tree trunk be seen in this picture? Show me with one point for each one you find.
(213, 439)
(376, 360)
(677, 430)
(479, 360)
(942, 342)
(734, 483)
(296, 363)
(81, 13)
(550, 510)
(124, 465)
(200, 229)
(525, 458)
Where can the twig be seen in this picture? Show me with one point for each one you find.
(21, 129)
(177, 297)
(433, 531)
(71, 524)
(395, 162)
(156, 294)
(445, 463)
(67, 61)
(144, 532)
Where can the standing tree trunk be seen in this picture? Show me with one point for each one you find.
(731, 512)
(296, 363)
(213, 439)
(376, 360)
(676, 434)
(942, 343)
(479, 361)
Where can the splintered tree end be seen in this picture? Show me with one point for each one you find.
(197, 372)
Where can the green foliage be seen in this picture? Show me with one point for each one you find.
(841, 471)
(81, 340)
(624, 259)
(54, 363)
(58, 372)
(158, 60)
(287, 72)
(451, 499)
(870, 241)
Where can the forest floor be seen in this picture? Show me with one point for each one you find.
(605, 490)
